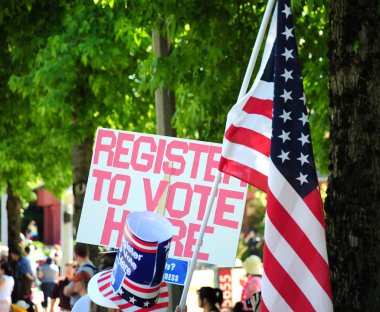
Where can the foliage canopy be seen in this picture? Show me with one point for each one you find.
(70, 67)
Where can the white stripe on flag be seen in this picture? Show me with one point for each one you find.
(271, 298)
(257, 123)
(247, 157)
(297, 208)
(296, 269)
(264, 90)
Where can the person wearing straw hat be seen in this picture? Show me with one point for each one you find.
(135, 282)
(253, 268)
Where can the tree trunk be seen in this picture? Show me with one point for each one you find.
(165, 108)
(165, 100)
(353, 201)
(82, 154)
(14, 223)
(81, 160)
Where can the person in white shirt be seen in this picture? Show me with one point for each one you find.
(6, 287)
(48, 274)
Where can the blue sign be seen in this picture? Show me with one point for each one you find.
(176, 271)
(118, 275)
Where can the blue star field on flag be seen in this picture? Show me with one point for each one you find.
(291, 149)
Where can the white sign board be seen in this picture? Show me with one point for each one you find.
(126, 174)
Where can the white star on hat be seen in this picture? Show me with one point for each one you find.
(167, 247)
(132, 299)
(146, 303)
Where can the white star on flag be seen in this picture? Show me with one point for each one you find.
(121, 292)
(287, 74)
(288, 54)
(284, 156)
(302, 178)
(303, 99)
(303, 119)
(286, 11)
(285, 116)
(303, 159)
(304, 139)
(286, 95)
(288, 32)
(284, 136)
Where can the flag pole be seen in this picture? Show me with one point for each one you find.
(256, 48)
(210, 201)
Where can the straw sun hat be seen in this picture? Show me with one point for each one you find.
(253, 265)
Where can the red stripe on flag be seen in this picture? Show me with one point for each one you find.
(284, 284)
(263, 306)
(314, 202)
(249, 138)
(299, 242)
(244, 173)
(258, 106)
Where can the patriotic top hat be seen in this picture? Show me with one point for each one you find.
(135, 281)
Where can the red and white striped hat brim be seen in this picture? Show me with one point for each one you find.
(101, 292)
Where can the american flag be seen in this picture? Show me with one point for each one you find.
(267, 144)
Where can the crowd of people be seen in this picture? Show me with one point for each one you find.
(64, 289)
(23, 279)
